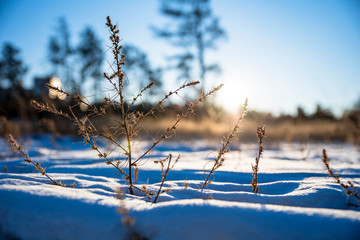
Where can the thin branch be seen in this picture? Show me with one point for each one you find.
(165, 173)
(159, 103)
(349, 187)
(19, 148)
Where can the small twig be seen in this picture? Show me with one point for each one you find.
(349, 187)
(255, 168)
(160, 103)
(44, 107)
(57, 90)
(150, 85)
(19, 148)
(165, 173)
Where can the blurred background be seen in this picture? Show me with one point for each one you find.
(297, 62)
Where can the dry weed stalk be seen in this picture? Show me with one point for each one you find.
(220, 158)
(348, 187)
(19, 148)
(129, 123)
(164, 172)
(255, 168)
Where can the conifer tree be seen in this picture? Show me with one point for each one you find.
(60, 53)
(137, 64)
(195, 29)
(91, 58)
(12, 67)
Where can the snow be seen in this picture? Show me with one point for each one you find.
(297, 199)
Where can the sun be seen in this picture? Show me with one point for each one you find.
(233, 94)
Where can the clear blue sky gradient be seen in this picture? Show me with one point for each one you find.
(280, 54)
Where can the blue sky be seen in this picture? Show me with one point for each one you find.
(279, 54)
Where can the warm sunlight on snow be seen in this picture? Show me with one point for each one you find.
(297, 199)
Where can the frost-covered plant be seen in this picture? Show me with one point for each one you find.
(125, 128)
(348, 187)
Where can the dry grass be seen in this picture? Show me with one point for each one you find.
(189, 128)
(205, 127)
(290, 131)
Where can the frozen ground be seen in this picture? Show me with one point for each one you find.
(297, 199)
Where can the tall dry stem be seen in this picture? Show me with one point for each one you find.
(255, 168)
(220, 158)
(126, 124)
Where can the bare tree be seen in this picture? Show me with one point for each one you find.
(60, 53)
(91, 58)
(195, 29)
(139, 66)
(12, 67)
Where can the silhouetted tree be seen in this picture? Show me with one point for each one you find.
(60, 53)
(353, 115)
(55, 54)
(184, 64)
(1, 69)
(138, 65)
(91, 58)
(12, 67)
(322, 114)
(195, 29)
(301, 115)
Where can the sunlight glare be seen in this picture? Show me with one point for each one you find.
(232, 96)
(54, 82)
(84, 104)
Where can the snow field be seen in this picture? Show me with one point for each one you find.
(297, 199)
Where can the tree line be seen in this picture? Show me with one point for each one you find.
(75, 65)
(194, 30)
